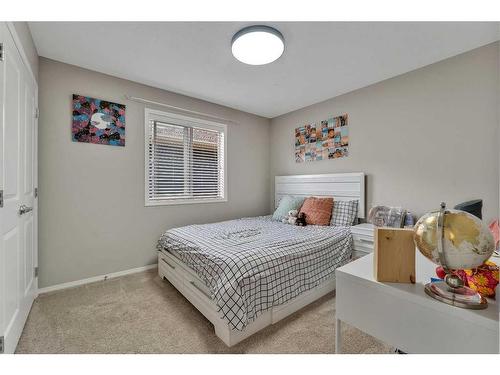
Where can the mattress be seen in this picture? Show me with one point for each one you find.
(252, 264)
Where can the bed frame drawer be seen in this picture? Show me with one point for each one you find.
(168, 266)
(189, 284)
(171, 267)
(191, 287)
(165, 263)
(167, 269)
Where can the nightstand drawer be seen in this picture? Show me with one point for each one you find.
(362, 243)
(363, 240)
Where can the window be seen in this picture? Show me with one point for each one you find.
(185, 160)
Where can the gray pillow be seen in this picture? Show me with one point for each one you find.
(344, 213)
(287, 203)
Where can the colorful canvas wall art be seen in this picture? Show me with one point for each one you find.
(328, 139)
(98, 121)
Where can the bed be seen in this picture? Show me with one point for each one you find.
(246, 274)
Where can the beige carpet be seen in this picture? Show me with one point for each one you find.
(140, 313)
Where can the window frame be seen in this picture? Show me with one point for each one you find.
(185, 121)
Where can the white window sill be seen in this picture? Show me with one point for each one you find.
(174, 202)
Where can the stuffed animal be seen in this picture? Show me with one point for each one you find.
(291, 217)
(301, 220)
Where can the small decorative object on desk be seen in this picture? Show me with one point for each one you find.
(409, 223)
(456, 240)
(474, 207)
(394, 255)
(383, 216)
(495, 231)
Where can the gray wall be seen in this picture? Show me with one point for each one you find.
(24, 34)
(91, 207)
(422, 137)
(426, 136)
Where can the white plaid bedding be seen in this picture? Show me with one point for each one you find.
(253, 264)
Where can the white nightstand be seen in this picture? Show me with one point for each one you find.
(363, 235)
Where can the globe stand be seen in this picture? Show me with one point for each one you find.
(452, 290)
(463, 296)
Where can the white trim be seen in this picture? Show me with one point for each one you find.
(183, 121)
(95, 278)
(173, 202)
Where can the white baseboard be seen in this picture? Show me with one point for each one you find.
(94, 279)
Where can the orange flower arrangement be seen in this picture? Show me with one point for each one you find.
(483, 279)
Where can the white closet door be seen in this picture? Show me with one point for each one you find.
(18, 241)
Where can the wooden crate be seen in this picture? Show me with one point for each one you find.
(394, 255)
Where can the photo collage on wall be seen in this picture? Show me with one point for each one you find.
(327, 140)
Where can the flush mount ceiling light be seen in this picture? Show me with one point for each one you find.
(257, 45)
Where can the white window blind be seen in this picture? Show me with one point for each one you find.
(185, 160)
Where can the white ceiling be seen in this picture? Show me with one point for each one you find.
(321, 59)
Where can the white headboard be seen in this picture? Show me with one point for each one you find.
(340, 186)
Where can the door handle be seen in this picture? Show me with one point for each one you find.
(23, 209)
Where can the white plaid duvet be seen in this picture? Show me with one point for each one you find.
(253, 264)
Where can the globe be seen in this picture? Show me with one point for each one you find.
(467, 243)
(456, 240)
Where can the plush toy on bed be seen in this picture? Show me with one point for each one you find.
(291, 217)
(301, 220)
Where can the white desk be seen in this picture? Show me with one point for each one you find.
(403, 316)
